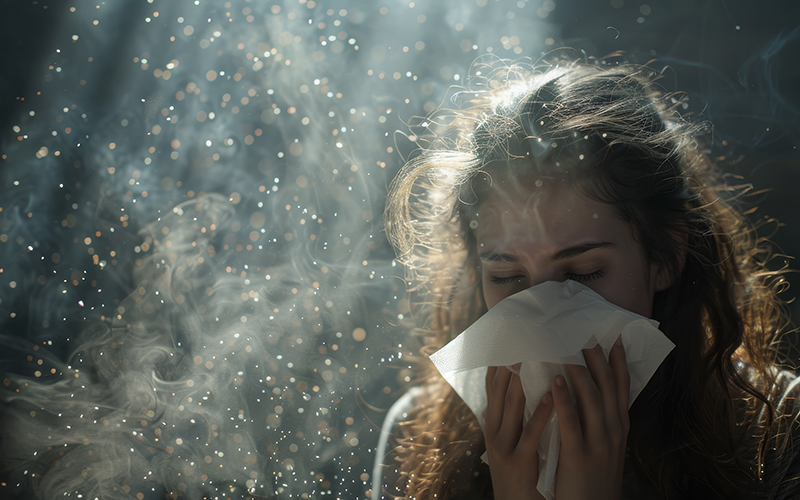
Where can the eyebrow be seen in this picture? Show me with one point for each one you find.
(566, 253)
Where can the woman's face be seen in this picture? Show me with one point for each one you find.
(540, 229)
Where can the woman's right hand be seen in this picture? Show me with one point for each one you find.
(510, 446)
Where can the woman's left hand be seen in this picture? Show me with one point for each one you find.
(593, 435)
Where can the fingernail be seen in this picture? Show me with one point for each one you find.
(560, 381)
(547, 398)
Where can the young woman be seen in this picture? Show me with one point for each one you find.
(586, 171)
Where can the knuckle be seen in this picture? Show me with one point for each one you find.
(569, 419)
(614, 427)
(595, 398)
(571, 448)
(535, 421)
(513, 399)
(625, 422)
(615, 433)
(489, 419)
(602, 447)
(494, 458)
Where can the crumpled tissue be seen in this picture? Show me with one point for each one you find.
(543, 328)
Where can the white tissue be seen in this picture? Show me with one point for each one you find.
(543, 328)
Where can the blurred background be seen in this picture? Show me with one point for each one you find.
(197, 299)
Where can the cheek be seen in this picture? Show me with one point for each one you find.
(632, 294)
(632, 283)
(493, 294)
(489, 293)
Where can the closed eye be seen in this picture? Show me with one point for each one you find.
(497, 280)
(583, 278)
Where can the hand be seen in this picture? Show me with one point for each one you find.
(593, 436)
(512, 447)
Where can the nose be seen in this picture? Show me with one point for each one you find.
(533, 275)
(539, 279)
(538, 273)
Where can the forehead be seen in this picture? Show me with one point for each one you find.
(520, 196)
(542, 208)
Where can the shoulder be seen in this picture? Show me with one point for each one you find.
(786, 436)
(400, 425)
(385, 473)
(787, 390)
(780, 447)
(430, 447)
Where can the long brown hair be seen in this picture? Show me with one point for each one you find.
(621, 140)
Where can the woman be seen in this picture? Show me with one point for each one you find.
(586, 171)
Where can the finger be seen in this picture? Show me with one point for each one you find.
(497, 387)
(490, 374)
(604, 378)
(488, 425)
(532, 433)
(589, 401)
(619, 366)
(568, 420)
(513, 412)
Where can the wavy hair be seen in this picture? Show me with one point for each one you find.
(619, 138)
